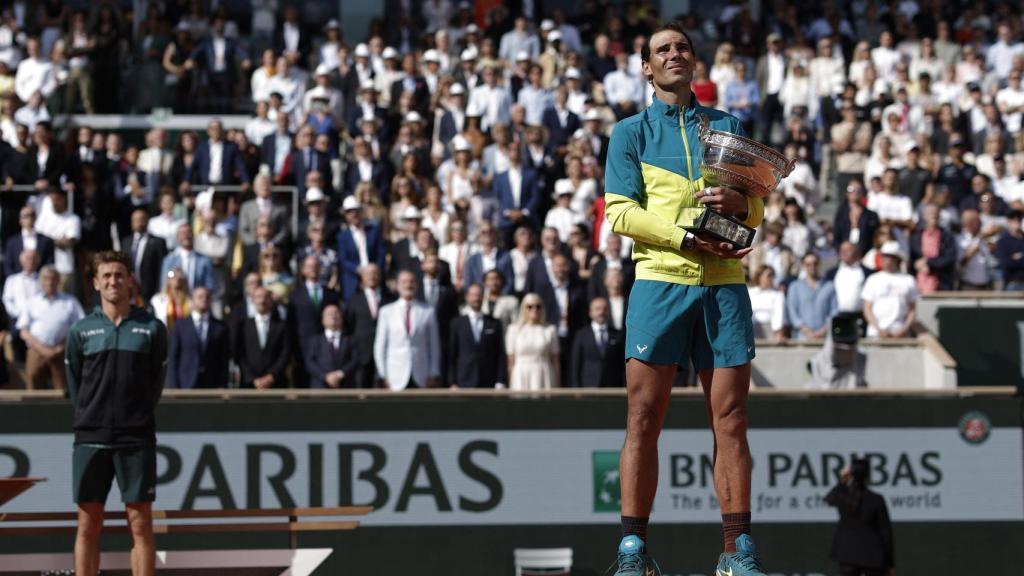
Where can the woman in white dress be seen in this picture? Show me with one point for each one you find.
(435, 217)
(463, 179)
(768, 305)
(532, 348)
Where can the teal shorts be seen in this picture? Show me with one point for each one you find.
(671, 323)
(94, 467)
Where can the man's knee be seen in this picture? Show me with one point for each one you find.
(140, 521)
(90, 521)
(731, 423)
(645, 418)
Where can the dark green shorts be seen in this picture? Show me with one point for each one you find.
(712, 326)
(94, 467)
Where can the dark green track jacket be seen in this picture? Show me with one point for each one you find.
(115, 376)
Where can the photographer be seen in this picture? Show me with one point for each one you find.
(863, 543)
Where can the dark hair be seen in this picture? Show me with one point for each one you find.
(675, 26)
(111, 257)
(1016, 215)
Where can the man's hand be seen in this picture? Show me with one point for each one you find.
(263, 382)
(921, 265)
(515, 215)
(333, 379)
(724, 201)
(720, 249)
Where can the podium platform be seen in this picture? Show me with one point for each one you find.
(11, 488)
(301, 562)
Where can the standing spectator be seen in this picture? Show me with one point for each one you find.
(359, 244)
(171, 304)
(612, 258)
(165, 224)
(771, 75)
(596, 357)
(933, 250)
(179, 76)
(291, 38)
(810, 301)
(216, 60)
(516, 264)
(492, 100)
(317, 247)
(973, 254)
(532, 348)
(308, 299)
(890, 296)
(561, 216)
(772, 252)
(200, 347)
(198, 269)
(262, 206)
(276, 147)
(263, 351)
(332, 359)
(65, 228)
(518, 194)
(46, 165)
(106, 56)
(519, 39)
(863, 543)
(742, 98)
(486, 256)
(216, 161)
(768, 304)
(35, 73)
(147, 253)
(155, 163)
(560, 122)
(623, 90)
(476, 349)
(26, 239)
(854, 222)
(361, 320)
(457, 253)
(44, 324)
(1002, 53)
(306, 159)
(496, 303)
(1010, 253)
(79, 44)
(848, 279)
(406, 347)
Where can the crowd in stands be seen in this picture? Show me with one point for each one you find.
(449, 164)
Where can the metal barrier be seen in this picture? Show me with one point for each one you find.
(235, 189)
(30, 189)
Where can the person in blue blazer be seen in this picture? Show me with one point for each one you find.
(232, 165)
(199, 348)
(198, 269)
(348, 252)
(516, 207)
(332, 358)
(16, 243)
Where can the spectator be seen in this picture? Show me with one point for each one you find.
(305, 160)
(65, 228)
(597, 354)
(216, 161)
(165, 225)
(532, 348)
(476, 349)
(973, 254)
(863, 542)
(854, 222)
(406, 349)
(457, 253)
(197, 269)
(769, 306)
(79, 44)
(1010, 253)
(305, 304)
(331, 358)
(216, 60)
(772, 252)
(848, 279)
(276, 148)
(171, 304)
(561, 217)
(155, 163)
(797, 234)
(359, 244)
(810, 301)
(274, 274)
(742, 98)
(560, 122)
(46, 163)
(890, 296)
(44, 324)
(262, 206)
(934, 253)
(199, 348)
(147, 253)
(361, 320)
(263, 351)
(623, 90)
(26, 239)
(496, 303)
(20, 287)
(35, 73)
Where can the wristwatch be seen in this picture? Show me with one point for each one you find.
(689, 242)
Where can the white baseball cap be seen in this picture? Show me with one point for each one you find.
(322, 70)
(412, 116)
(315, 194)
(431, 55)
(332, 23)
(522, 55)
(472, 29)
(468, 54)
(554, 35)
(456, 89)
(547, 24)
(892, 248)
(572, 74)
(460, 144)
(411, 213)
(351, 203)
(473, 112)
(592, 114)
(563, 187)
(362, 51)
(389, 53)
(367, 85)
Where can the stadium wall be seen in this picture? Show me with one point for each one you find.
(459, 482)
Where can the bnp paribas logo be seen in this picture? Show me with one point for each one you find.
(605, 466)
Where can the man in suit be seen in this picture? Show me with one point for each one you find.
(413, 82)
(199, 348)
(147, 253)
(596, 359)
(306, 159)
(539, 275)
(454, 118)
(503, 307)
(155, 163)
(332, 359)
(612, 259)
(216, 161)
(560, 123)
(366, 107)
(46, 164)
(440, 297)
(406, 347)
(518, 193)
(854, 215)
(361, 321)
(476, 347)
(264, 240)
(564, 304)
(405, 253)
(263, 355)
(26, 239)
(292, 39)
(276, 147)
(863, 542)
(215, 57)
(262, 205)
(307, 301)
(364, 168)
(359, 244)
(486, 257)
(198, 268)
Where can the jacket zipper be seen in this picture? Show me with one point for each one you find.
(689, 176)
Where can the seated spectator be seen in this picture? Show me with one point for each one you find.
(361, 313)
(200, 347)
(533, 350)
(262, 206)
(171, 304)
(848, 279)
(973, 254)
(406, 347)
(810, 302)
(26, 239)
(1010, 253)
(196, 268)
(476, 347)
(263, 351)
(596, 357)
(772, 252)
(768, 304)
(561, 217)
(890, 296)
(797, 233)
(147, 252)
(933, 252)
(65, 228)
(44, 324)
(332, 359)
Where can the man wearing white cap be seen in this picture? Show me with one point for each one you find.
(552, 60)
(405, 254)
(454, 118)
(518, 39)
(323, 89)
(359, 244)
(316, 215)
(367, 106)
(431, 69)
(329, 49)
(411, 82)
(890, 296)
(577, 97)
(467, 74)
(358, 74)
(592, 123)
(561, 217)
(492, 100)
